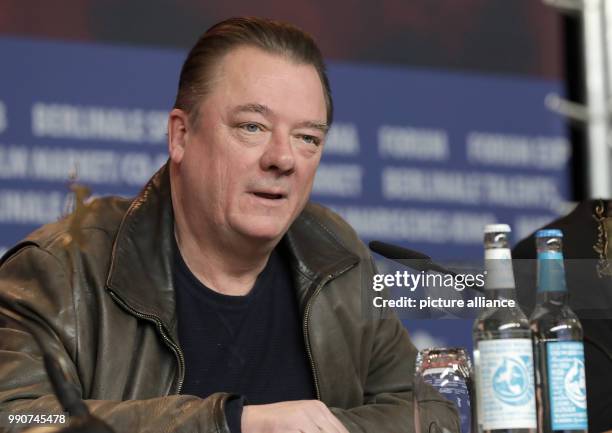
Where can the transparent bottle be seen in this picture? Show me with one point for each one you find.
(449, 371)
(503, 351)
(559, 351)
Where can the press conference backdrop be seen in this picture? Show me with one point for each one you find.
(417, 157)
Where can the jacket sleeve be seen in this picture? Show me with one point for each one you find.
(29, 302)
(389, 396)
(390, 391)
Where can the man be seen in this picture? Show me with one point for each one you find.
(219, 300)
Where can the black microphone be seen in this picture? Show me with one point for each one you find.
(66, 392)
(418, 261)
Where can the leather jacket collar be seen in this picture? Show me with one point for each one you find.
(141, 262)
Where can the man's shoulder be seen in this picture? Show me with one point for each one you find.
(335, 226)
(97, 220)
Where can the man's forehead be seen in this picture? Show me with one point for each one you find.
(249, 79)
(246, 64)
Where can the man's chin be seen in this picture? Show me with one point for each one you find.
(263, 233)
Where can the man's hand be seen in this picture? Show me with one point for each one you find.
(305, 416)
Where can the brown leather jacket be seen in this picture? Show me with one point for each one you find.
(101, 283)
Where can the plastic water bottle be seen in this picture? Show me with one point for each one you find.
(503, 350)
(559, 352)
(450, 372)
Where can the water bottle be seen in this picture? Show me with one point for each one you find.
(503, 350)
(450, 372)
(559, 352)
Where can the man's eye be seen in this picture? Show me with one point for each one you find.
(251, 127)
(311, 139)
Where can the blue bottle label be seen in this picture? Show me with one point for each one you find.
(506, 384)
(566, 385)
(454, 388)
(551, 272)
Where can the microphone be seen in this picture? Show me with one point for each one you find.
(66, 392)
(422, 262)
(418, 261)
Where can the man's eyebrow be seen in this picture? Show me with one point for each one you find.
(321, 126)
(264, 110)
(252, 108)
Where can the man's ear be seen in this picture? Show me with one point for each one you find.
(178, 124)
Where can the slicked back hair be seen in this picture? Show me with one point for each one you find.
(197, 73)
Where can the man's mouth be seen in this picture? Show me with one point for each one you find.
(269, 196)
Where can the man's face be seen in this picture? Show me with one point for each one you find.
(248, 166)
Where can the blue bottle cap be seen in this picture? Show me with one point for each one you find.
(549, 233)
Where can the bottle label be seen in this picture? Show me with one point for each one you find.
(566, 385)
(506, 385)
(551, 272)
(498, 267)
(453, 387)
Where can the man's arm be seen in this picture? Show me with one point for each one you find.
(388, 406)
(32, 279)
(163, 414)
(389, 402)
(25, 390)
(389, 389)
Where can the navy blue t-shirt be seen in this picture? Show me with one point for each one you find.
(251, 345)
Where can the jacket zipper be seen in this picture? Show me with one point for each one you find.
(324, 281)
(179, 354)
(177, 351)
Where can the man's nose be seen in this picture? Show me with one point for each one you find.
(279, 155)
